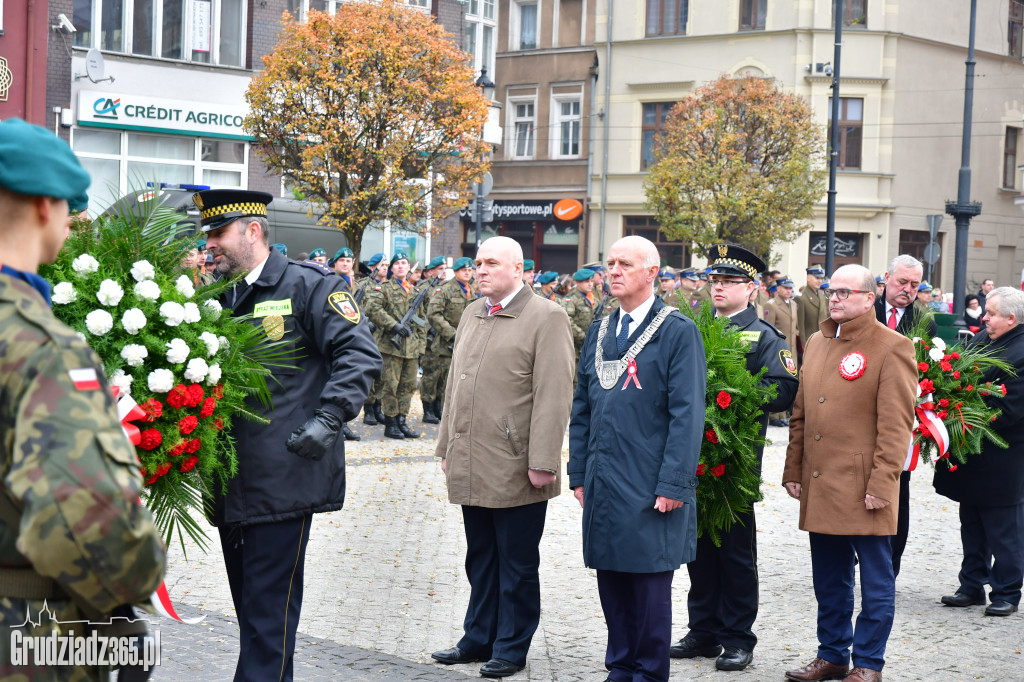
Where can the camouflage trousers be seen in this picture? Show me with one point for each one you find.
(398, 384)
(435, 374)
(376, 391)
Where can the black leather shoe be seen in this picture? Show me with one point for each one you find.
(391, 429)
(404, 428)
(734, 658)
(349, 433)
(1000, 608)
(369, 417)
(777, 422)
(963, 599)
(499, 668)
(691, 647)
(453, 656)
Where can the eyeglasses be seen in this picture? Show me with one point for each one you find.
(843, 294)
(727, 283)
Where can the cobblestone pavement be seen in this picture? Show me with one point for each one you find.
(385, 587)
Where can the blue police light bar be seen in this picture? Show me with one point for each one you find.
(171, 185)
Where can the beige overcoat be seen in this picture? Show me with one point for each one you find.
(507, 402)
(783, 317)
(848, 438)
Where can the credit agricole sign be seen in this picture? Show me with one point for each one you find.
(159, 115)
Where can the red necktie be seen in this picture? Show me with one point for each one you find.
(493, 310)
(892, 318)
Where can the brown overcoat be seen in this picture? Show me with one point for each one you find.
(507, 402)
(848, 438)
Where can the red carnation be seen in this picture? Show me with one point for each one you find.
(718, 471)
(1002, 387)
(176, 396)
(208, 407)
(952, 467)
(927, 386)
(701, 468)
(946, 367)
(217, 391)
(922, 366)
(189, 464)
(152, 479)
(955, 356)
(177, 449)
(218, 423)
(163, 468)
(970, 387)
(942, 414)
(925, 433)
(153, 409)
(188, 424)
(956, 374)
(193, 395)
(192, 445)
(711, 436)
(151, 439)
(943, 402)
(723, 399)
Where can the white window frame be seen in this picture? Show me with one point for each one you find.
(515, 27)
(475, 22)
(128, 27)
(510, 147)
(555, 139)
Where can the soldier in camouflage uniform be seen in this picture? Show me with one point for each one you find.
(579, 305)
(387, 305)
(430, 361)
(72, 532)
(528, 273)
(373, 413)
(444, 313)
(547, 281)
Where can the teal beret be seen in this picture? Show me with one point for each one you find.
(375, 258)
(435, 262)
(282, 248)
(37, 163)
(317, 252)
(464, 262)
(201, 244)
(547, 277)
(528, 265)
(343, 252)
(399, 255)
(583, 274)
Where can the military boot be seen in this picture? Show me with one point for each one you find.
(404, 428)
(379, 412)
(438, 405)
(428, 413)
(391, 429)
(369, 416)
(349, 433)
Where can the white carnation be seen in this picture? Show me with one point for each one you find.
(213, 374)
(99, 322)
(160, 380)
(147, 289)
(122, 381)
(935, 354)
(64, 293)
(939, 343)
(184, 286)
(197, 370)
(177, 351)
(173, 313)
(192, 314)
(143, 270)
(224, 342)
(85, 264)
(133, 320)
(134, 354)
(110, 293)
(213, 307)
(212, 343)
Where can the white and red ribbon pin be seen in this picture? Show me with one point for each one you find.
(852, 366)
(631, 375)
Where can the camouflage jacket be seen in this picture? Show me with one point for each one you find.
(446, 307)
(385, 304)
(581, 314)
(71, 474)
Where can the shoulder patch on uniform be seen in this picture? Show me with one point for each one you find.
(84, 379)
(345, 305)
(313, 265)
(377, 288)
(786, 357)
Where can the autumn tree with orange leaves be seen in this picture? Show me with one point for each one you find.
(372, 114)
(739, 161)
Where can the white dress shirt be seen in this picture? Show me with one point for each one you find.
(638, 315)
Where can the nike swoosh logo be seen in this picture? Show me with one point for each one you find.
(562, 211)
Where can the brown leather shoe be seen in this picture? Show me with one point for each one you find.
(818, 669)
(864, 675)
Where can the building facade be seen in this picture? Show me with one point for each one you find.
(24, 31)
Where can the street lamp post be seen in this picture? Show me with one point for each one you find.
(486, 86)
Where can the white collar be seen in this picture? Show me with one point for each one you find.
(639, 313)
(508, 299)
(255, 273)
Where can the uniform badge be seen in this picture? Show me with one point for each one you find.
(786, 357)
(852, 366)
(198, 201)
(723, 249)
(345, 305)
(84, 379)
(273, 325)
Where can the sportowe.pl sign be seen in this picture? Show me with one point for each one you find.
(156, 114)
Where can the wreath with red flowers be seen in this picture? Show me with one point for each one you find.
(729, 479)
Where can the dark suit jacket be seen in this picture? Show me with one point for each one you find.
(907, 322)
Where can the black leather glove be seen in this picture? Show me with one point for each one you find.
(402, 330)
(313, 439)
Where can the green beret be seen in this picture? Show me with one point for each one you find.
(282, 248)
(201, 244)
(317, 252)
(399, 255)
(464, 262)
(435, 262)
(528, 265)
(37, 163)
(547, 277)
(375, 258)
(583, 274)
(343, 252)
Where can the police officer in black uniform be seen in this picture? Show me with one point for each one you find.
(722, 601)
(294, 466)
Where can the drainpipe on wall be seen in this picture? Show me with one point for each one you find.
(607, 122)
(594, 70)
(30, 48)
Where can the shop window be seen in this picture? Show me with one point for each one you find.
(753, 14)
(851, 121)
(1010, 158)
(855, 13)
(673, 253)
(667, 17)
(654, 116)
(567, 123)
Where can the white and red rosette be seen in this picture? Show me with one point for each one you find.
(852, 366)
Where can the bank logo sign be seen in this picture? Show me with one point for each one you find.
(157, 114)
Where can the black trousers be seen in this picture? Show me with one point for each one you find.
(993, 540)
(265, 566)
(899, 541)
(503, 568)
(723, 597)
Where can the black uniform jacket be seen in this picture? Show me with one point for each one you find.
(994, 477)
(339, 361)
